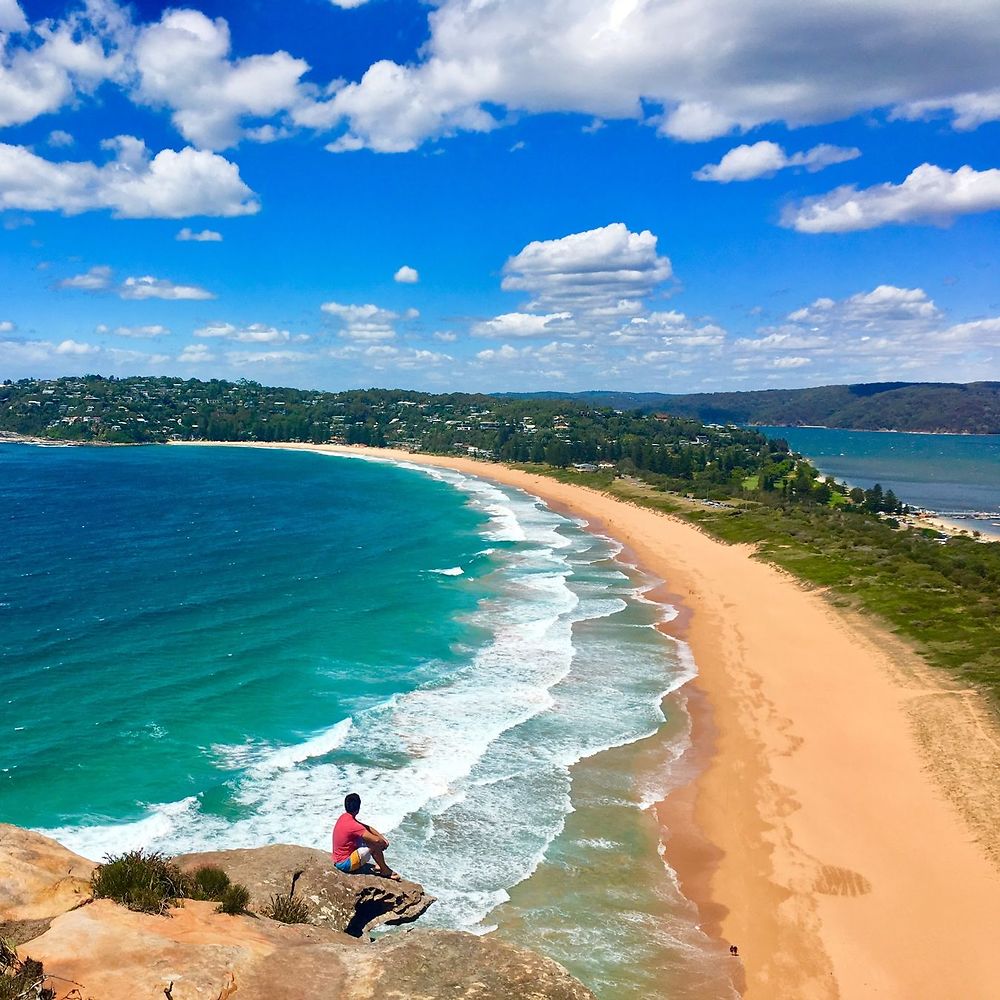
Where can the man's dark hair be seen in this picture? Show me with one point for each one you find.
(352, 804)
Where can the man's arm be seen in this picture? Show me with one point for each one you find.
(373, 837)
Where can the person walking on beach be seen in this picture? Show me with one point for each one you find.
(355, 844)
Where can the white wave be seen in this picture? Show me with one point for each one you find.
(100, 839)
(440, 768)
(451, 571)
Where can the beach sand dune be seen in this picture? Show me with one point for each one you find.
(844, 830)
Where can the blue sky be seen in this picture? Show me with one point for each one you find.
(502, 194)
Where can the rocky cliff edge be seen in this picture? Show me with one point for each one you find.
(98, 950)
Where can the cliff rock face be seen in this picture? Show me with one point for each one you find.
(354, 904)
(38, 879)
(110, 953)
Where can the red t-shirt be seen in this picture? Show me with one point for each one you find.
(347, 833)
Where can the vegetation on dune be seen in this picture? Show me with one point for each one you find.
(942, 596)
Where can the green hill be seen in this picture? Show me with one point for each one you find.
(900, 406)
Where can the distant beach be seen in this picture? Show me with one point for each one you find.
(825, 836)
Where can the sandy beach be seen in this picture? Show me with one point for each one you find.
(844, 829)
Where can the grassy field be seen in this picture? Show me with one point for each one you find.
(944, 599)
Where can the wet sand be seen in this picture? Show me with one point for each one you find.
(844, 829)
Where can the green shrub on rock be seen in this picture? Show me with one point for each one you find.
(209, 882)
(287, 909)
(234, 899)
(148, 883)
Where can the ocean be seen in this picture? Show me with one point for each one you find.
(206, 648)
(953, 474)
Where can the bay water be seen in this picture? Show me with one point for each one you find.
(955, 475)
(205, 648)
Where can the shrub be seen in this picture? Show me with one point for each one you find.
(234, 899)
(21, 979)
(287, 909)
(148, 883)
(209, 882)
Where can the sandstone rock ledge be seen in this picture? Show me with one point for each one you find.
(353, 904)
(109, 953)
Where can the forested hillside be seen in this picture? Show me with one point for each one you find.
(899, 406)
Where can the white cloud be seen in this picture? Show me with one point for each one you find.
(75, 347)
(406, 275)
(6, 326)
(446, 336)
(171, 185)
(266, 357)
(872, 336)
(203, 236)
(59, 138)
(195, 354)
(214, 96)
(95, 280)
(589, 271)
(148, 287)
(969, 110)
(366, 322)
(704, 68)
(886, 303)
(521, 325)
(763, 159)
(142, 332)
(254, 333)
(43, 66)
(929, 194)
(348, 4)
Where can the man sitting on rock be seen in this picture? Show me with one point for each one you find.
(355, 844)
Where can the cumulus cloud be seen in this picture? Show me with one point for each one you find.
(521, 325)
(170, 185)
(148, 287)
(95, 280)
(709, 68)
(406, 275)
(142, 332)
(75, 347)
(45, 65)
(593, 270)
(215, 96)
(195, 354)
(872, 335)
(254, 333)
(6, 326)
(187, 235)
(59, 138)
(929, 194)
(764, 159)
(366, 322)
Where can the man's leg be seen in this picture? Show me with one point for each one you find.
(379, 858)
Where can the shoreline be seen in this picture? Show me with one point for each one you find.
(842, 832)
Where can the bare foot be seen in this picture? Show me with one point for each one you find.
(389, 873)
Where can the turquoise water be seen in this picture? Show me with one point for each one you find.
(947, 473)
(208, 647)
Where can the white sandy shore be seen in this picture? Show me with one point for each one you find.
(849, 806)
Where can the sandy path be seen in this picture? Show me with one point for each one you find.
(850, 803)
